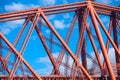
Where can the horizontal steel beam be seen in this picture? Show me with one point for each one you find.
(22, 77)
(50, 10)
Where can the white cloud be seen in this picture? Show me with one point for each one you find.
(7, 27)
(65, 1)
(111, 55)
(48, 63)
(5, 30)
(46, 58)
(48, 66)
(19, 6)
(89, 62)
(60, 24)
(47, 31)
(105, 20)
(47, 2)
(50, 17)
(105, 1)
(14, 24)
(34, 37)
(66, 16)
(45, 71)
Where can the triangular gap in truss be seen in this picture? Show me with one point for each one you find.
(23, 31)
(18, 54)
(31, 50)
(41, 49)
(72, 28)
(36, 49)
(106, 33)
(5, 50)
(109, 29)
(67, 60)
(94, 45)
(113, 40)
(9, 59)
(95, 20)
(24, 44)
(92, 60)
(23, 70)
(65, 45)
(90, 56)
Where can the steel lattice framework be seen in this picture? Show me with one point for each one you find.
(78, 70)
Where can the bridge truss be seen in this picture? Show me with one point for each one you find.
(90, 25)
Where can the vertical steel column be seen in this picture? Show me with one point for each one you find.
(94, 20)
(84, 61)
(114, 15)
(66, 47)
(20, 56)
(82, 17)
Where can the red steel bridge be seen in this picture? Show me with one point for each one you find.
(90, 25)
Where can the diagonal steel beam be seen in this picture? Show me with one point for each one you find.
(104, 51)
(20, 56)
(4, 65)
(61, 54)
(108, 35)
(23, 46)
(47, 50)
(65, 45)
(17, 38)
(94, 48)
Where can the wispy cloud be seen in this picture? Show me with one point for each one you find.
(34, 37)
(46, 58)
(5, 30)
(60, 24)
(47, 31)
(51, 17)
(111, 54)
(19, 6)
(89, 62)
(7, 27)
(65, 1)
(47, 2)
(66, 16)
(48, 63)
(48, 66)
(105, 1)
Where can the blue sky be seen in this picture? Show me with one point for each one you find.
(35, 53)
